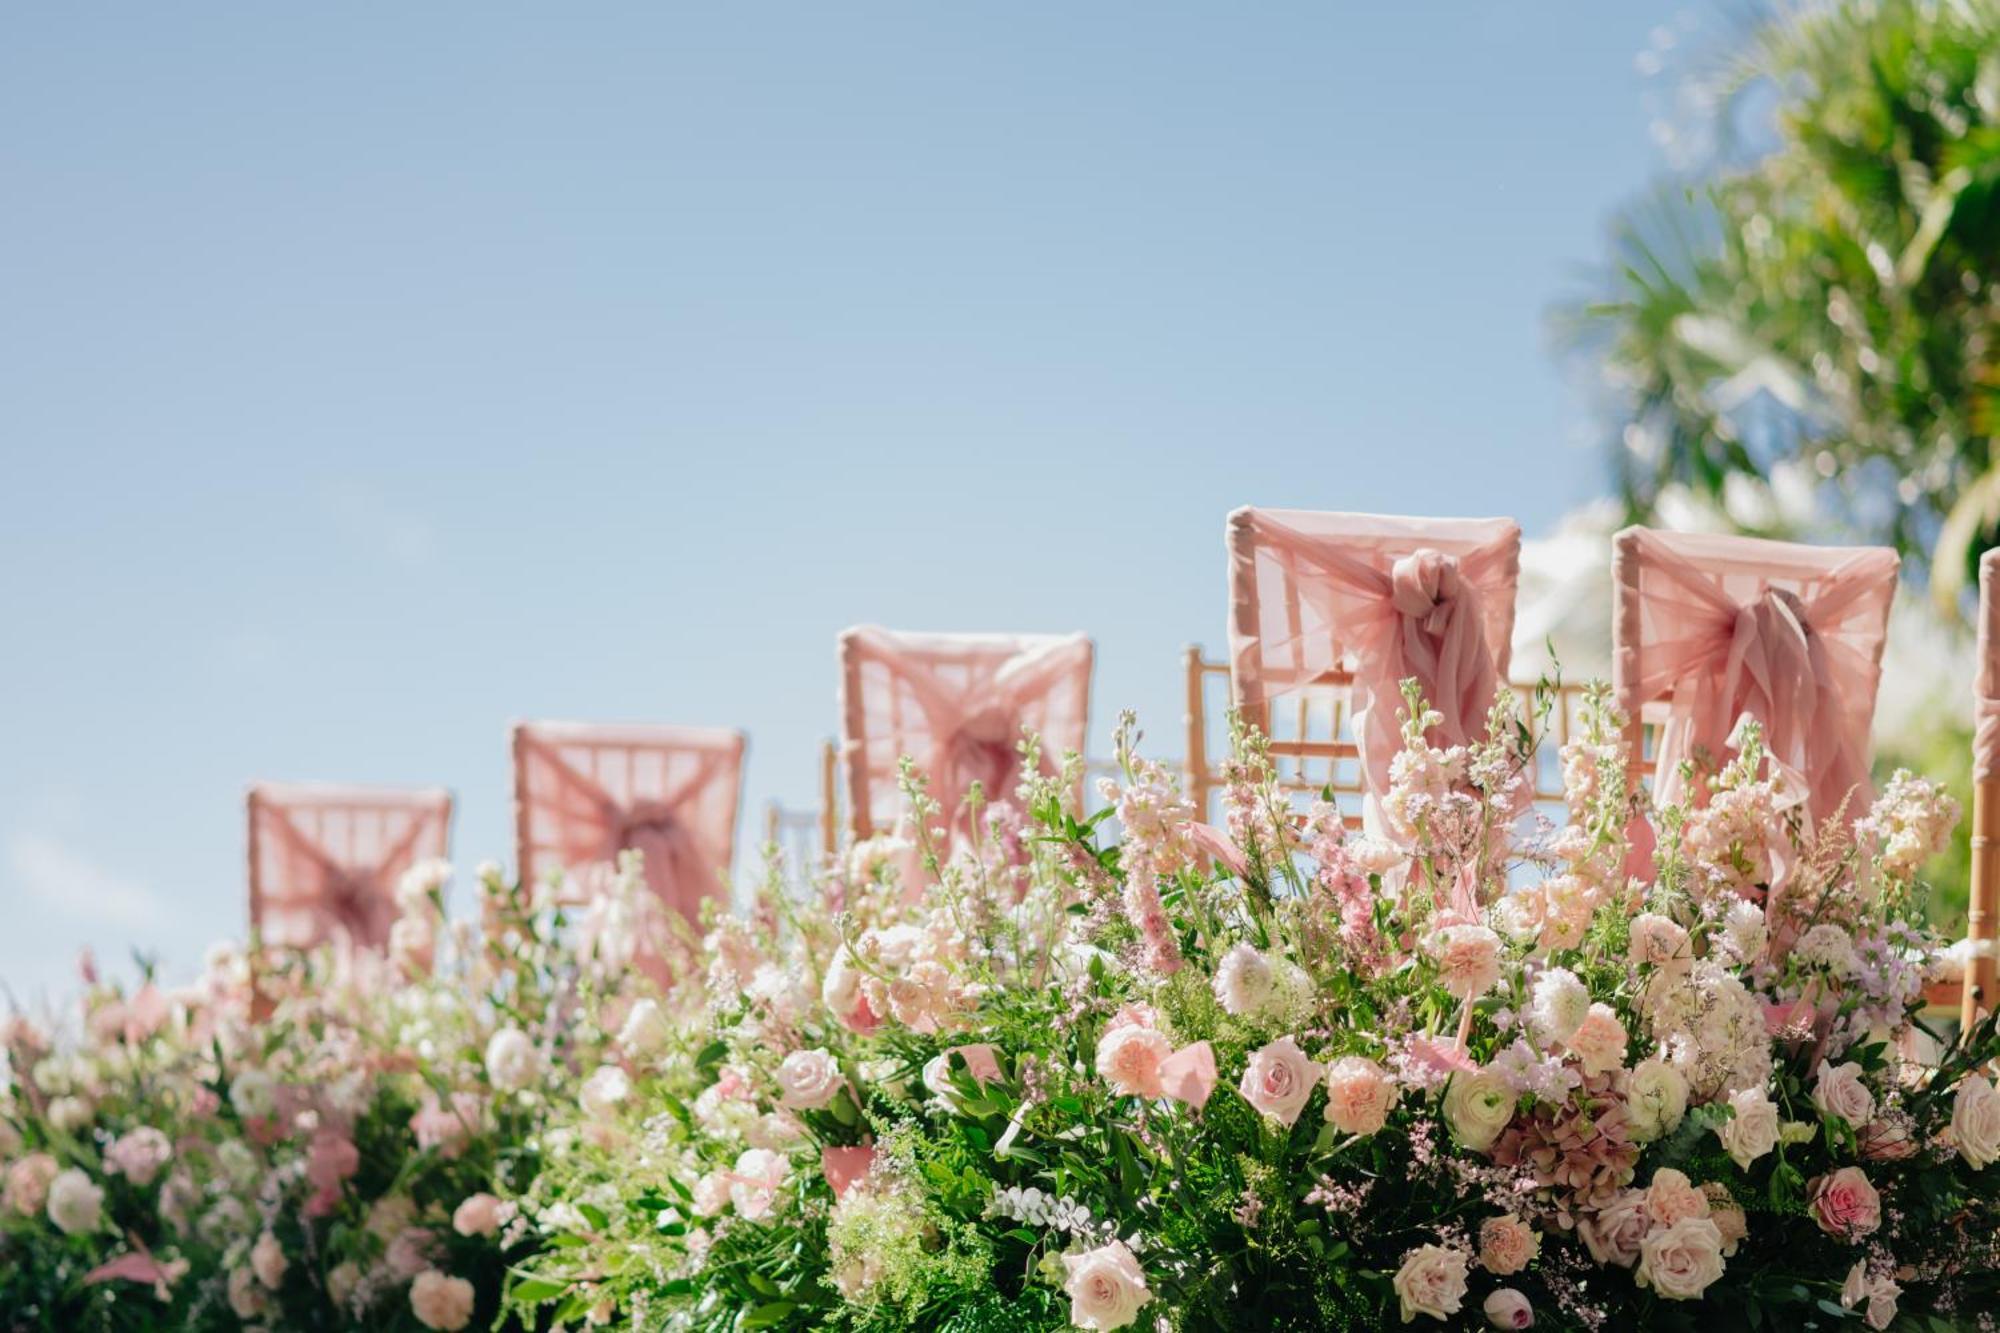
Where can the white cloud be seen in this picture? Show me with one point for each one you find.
(380, 527)
(79, 888)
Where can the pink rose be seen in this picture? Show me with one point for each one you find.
(1188, 1075)
(1431, 1282)
(1279, 1081)
(1845, 1204)
(1359, 1095)
(1129, 1058)
(808, 1080)
(1838, 1091)
(1614, 1233)
(1106, 1287)
(1508, 1308)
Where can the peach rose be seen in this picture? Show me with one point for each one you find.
(1681, 1261)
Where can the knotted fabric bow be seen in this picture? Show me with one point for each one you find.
(325, 861)
(1388, 599)
(958, 705)
(1724, 627)
(586, 794)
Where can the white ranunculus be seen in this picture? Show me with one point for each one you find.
(76, 1204)
(512, 1062)
(1106, 1287)
(1478, 1106)
(1656, 1097)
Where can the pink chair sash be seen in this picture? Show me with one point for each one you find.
(585, 793)
(324, 861)
(1986, 685)
(957, 705)
(1719, 626)
(1385, 597)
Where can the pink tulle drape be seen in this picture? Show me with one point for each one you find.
(324, 860)
(957, 704)
(1715, 627)
(1385, 598)
(584, 793)
(1986, 686)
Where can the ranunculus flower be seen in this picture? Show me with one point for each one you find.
(1753, 1130)
(476, 1215)
(1507, 1245)
(76, 1203)
(1431, 1282)
(1508, 1308)
(512, 1062)
(1656, 1098)
(1478, 1106)
(808, 1080)
(1129, 1057)
(1844, 1203)
(1106, 1287)
(440, 1301)
(1279, 1081)
(1975, 1122)
(1838, 1091)
(1682, 1261)
(1359, 1095)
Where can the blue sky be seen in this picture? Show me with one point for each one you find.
(374, 374)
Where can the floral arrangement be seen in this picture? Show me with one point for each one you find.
(1286, 1075)
(316, 1141)
(1645, 1069)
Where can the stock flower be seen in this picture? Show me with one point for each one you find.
(1681, 1261)
(76, 1203)
(1359, 1095)
(138, 1155)
(1844, 1203)
(1279, 1081)
(1753, 1130)
(1975, 1121)
(1106, 1287)
(1838, 1091)
(1431, 1282)
(1507, 1244)
(1508, 1308)
(808, 1080)
(512, 1062)
(440, 1301)
(1478, 1106)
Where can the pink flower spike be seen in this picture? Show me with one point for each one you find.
(844, 1168)
(1188, 1075)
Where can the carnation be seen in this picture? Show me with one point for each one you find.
(1244, 981)
(1507, 1245)
(1468, 959)
(1557, 1005)
(476, 1215)
(1359, 1095)
(440, 1301)
(1129, 1057)
(1599, 1041)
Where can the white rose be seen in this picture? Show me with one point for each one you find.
(1431, 1282)
(1106, 1287)
(1681, 1261)
(1656, 1097)
(1975, 1122)
(76, 1205)
(1753, 1130)
(808, 1080)
(512, 1062)
(1478, 1106)
(603, 1091)
(645, 1029)
(1839, 1092)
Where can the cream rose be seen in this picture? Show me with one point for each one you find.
(1753, 1130)
(1359, 1095)
(1279, 1081)
(1106, 1287)
(1431, 1282)
(1839, 1092)
(1681, 1261)
(1478, 1106)
(808, 1080)
(1975, 1122)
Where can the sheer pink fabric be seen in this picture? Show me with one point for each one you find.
(957, 705)
(1384, 598)
(1986, 686)
(584, 793)
(324, 860)
(1714, 627)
